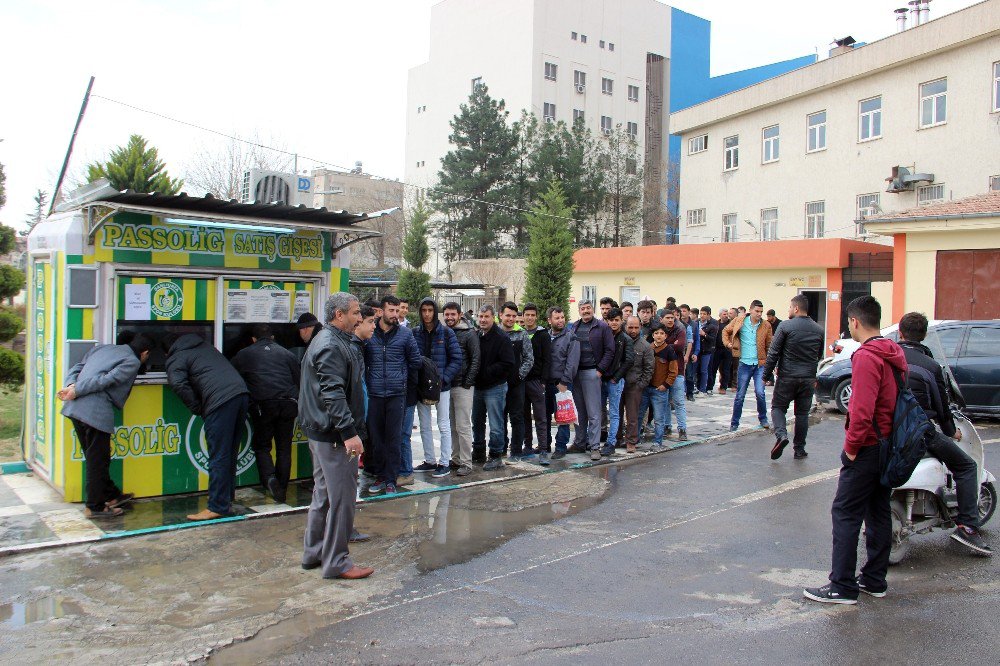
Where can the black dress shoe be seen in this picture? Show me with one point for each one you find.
(799, 455)
(311, 565)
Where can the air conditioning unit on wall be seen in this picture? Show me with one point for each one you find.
(276, 187)
(580, 87)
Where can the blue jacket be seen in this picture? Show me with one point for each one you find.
(390, 358)
(441, 346)
(694, 334)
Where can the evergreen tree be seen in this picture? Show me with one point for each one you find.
(550, 250)
(414, 283)
(3, 187)
(474, 183)
(137, 167)
(41, 203)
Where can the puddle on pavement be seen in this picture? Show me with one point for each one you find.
(18, 614)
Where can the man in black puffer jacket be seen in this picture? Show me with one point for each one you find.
(496, 364)
(462, 389)
(211, 388)
(622, 360)
(535, 386)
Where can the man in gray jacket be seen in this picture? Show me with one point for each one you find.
(561, 345)
(636, 380)
(272, 376)
(795, 351)
(211, 388)
(331, 409)
(462, 389)
(524, 358)
(95, 388)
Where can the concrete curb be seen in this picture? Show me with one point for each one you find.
(19, 467)
(720, 440)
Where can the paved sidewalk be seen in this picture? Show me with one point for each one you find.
(34, 516)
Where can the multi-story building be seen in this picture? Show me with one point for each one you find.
(908, 120)
(613, 62)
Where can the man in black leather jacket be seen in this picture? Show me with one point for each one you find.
(795, 351)
(926, 381)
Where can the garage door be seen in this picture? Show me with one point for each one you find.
(966, 284)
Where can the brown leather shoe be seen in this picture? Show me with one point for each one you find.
(630, 448)
(356, 572)
(204, 514)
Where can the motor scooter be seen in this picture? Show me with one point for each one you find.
(928, 500)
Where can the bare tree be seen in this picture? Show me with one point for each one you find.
(660, 220)
(218, 169)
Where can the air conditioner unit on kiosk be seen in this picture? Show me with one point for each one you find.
(580, 87)
(276, 187)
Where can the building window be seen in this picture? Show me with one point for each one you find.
(549, 112)
(572, 36)
(607, 86)
(476, 82)
(550, 71)
(929, 194)
(732, 153)
(633, 93)
(580, 80)
(601, 43)
(817, 131)
(870, 119)
(933, 102)
(696, 217)
(589, 294)
(633, 130)
(996, 86)
(729, 234)
(815, 219)
(578, 115)
(994, 183)
(770, 144)
(867, 207)
(631, 167)
(606, 124)
(697, 144)
(769, 224)
(583, 39)
(611, 46)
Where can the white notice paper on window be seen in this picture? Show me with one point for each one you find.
(260, 305)
(281, 308)
(237, 301)
(137, 301)
(303, 304)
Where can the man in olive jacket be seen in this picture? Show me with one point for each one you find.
(331, 410)
(636, 380)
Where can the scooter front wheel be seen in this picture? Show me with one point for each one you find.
(987, 502)
(900, 544)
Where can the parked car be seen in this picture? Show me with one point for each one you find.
(973, 351)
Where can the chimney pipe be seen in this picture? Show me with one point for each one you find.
(914, 12)
(900, 18)
(925, 12)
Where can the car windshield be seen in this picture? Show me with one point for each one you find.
(942, 343)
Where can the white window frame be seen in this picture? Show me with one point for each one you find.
(730, 230)
(549, 112)
(932, 98)
(816, 130)
(696, 217)
(583, 39)
(815, 220)
(607, 86)
(994, 183)
(866, 205)
(632, 129)
(731, 154)
(589, 293)
(633, 93)
(769, 224)
(770, 148)
(579, 79)
(697, 144)
(572, 35)
(551, 71)
(926, 194)
(611, 46)
(601, 43)
(607, 127)
(476, 82)
(870, 118)
(996, 87)
(86, 304)
(579, 114)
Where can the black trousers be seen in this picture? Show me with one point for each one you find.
(861, 497)
(513, 412)
(724, 365)
(385, 423)
(96, 446)
(273, 420)
(536, 410)
(965, 472)
(786, 391)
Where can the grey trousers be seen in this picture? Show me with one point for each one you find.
(461, 425)
(331, 513)
(587, 396)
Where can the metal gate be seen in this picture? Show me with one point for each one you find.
(965, 284)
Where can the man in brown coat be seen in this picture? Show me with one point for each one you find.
(748, 336)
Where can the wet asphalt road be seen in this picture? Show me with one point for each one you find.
(694, 556)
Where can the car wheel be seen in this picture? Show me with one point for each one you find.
(842, 395)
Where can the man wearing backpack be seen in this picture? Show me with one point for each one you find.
(926, 381)
(861, 497)
(438, 343)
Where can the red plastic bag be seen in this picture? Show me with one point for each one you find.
(565, 409)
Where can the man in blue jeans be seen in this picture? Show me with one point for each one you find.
(749, 336)
(562, 341)
(496, 362)
(678, 339)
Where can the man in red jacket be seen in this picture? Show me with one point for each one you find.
(860, 493)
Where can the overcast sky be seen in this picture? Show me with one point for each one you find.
(326, 79)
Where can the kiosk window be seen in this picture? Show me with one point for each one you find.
(76, 350)
(163, 333)
(237, 336)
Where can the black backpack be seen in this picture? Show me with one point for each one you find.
(907, 443)
(428, 382)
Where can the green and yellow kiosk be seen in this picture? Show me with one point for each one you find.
(166, 264)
